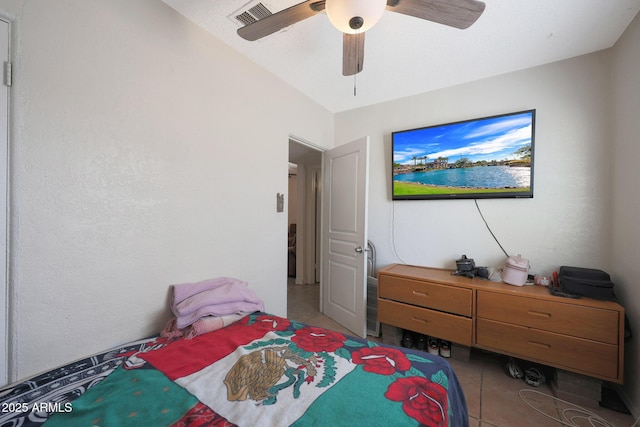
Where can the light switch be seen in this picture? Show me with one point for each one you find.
(280, 202)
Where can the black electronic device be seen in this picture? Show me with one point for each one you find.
(467, 267)
(489, 157)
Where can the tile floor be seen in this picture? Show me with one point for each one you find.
(494, 399)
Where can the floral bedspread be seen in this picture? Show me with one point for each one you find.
(261, 371)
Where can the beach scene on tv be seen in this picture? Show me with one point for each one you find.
(477, 157)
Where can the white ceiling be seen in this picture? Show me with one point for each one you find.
(405, 55)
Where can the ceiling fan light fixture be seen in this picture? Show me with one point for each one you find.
(354, 16)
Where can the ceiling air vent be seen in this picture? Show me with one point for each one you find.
(251, 15)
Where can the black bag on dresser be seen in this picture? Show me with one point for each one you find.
(587, 282)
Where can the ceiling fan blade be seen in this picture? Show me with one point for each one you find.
(352, 53)
(454, 13)
(279, 20)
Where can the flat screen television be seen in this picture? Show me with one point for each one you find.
(488, 157)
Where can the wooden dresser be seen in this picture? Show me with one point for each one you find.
(583, 335)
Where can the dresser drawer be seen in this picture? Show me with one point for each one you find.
(576, 354)
(429, 322)
(427, 294)
(566, 318)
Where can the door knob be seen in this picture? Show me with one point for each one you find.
(360, 249)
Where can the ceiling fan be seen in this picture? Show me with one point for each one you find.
(355, 17)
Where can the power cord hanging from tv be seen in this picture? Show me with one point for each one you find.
(393, 224)
(489, 228)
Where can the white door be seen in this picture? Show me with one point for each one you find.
(4, 144)
(345, 174)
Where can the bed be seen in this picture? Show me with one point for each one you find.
(262, 370)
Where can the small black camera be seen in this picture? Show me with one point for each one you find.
(467, 267)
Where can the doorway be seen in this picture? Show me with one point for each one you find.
(341, 202)
(303, 251)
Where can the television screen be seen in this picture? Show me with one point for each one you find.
(489, 157)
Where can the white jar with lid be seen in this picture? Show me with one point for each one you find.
(516, 270)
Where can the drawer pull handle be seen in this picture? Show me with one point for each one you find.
(539, 344)
(420, 294)
(419, 320)
(539, 314)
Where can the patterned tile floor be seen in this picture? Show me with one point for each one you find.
(494, 399)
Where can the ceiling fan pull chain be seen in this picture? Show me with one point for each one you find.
(355, 76)
(354, 84)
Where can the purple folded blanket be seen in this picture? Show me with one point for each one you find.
(221, 296)
(200, 326)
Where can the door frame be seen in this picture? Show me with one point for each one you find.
(5, 294)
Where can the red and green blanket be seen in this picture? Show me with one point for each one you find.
(268, 371)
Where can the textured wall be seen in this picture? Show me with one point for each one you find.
(626, 209)
(144, 153)
(567, 221)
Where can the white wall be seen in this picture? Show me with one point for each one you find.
(567, 221)
(144, 153)
(624, 189)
